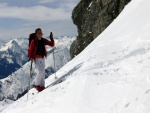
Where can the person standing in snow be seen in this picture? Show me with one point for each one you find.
(36, 53)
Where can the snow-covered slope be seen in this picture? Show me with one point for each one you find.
(15, 85)
(112, 75)
(12, 57)
(5, 103)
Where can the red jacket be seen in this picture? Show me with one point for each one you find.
(33, 47)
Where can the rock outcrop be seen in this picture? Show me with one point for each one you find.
(92, 17)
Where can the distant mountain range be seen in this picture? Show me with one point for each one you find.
(12, 57)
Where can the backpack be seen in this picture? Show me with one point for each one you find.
(31, 37)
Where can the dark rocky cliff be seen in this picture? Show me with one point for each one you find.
(92, 17)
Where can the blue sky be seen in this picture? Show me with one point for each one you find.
(19, 18)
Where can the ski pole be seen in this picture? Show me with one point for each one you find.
(51, 37)
(29, 79)
(54, 62)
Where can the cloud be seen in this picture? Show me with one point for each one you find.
(59, 1)
(3, 4)
(36, 13)
(47, 1)
(50, 15)
(59, 28)
(62, 3)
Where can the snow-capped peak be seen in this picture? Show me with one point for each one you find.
(11, 45)
(12, 56)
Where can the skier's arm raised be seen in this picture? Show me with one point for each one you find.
(52, 42)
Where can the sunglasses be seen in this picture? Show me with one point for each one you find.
(40, 33)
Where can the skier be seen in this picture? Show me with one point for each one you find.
(36, 53)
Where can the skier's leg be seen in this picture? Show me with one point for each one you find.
(43, 72)
(40, 78)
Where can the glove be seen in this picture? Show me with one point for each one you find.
(51, 36)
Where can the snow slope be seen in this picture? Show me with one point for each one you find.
(110, 76)
(5, 103)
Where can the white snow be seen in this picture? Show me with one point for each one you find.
(112, 75)
(5, 103)
(10, 61)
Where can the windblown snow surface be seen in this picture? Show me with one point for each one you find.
(112, 75)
